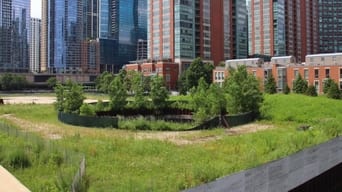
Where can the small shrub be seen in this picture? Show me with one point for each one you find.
(333, 91)
(19, 159)
(87, 110)
(311, 91)
(100, 106)
(142, 124)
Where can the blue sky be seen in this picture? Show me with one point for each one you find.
(36, 8)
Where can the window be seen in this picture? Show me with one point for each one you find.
(341, 85)
(316, 73)
(306, 74)
(327, 73)
(316, 83)
(340, 73)
(295, 74)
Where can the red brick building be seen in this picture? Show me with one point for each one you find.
(315, 71)
(166, 69)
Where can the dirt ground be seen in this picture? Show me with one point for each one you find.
(34, 99)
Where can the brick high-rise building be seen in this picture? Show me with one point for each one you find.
(301, 18)
(278, 28)
(214, 30)
(330, 26)
(267, 27)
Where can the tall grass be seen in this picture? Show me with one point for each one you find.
(117, 161)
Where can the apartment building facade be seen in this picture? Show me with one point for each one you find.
(316, 70)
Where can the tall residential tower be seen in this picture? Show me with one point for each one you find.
(214, 30)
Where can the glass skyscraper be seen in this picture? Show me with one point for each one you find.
(14, 35)
(122, 23)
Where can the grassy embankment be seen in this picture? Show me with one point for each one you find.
(119, 160)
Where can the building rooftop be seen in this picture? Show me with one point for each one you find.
(325, 54)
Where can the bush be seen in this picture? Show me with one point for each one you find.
(87, 110)
(100, 106)
(311, 91)
(18, 159)
(334, 92)
(300, 85)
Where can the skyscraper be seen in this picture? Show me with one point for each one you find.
(330, 26)
(34, 45)
(278, 28)
(14, 35)
(68, 29)
(267, 27)
(214, 30)
(121, 24)
(301, 28)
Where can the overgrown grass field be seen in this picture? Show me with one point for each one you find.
(120, 160)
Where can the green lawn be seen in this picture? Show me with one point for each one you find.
(118, 160)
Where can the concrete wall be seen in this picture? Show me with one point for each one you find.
(281, 175)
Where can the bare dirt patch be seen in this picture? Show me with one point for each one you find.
(46, 130)
(248, 128)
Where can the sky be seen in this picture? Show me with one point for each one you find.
(36, 6)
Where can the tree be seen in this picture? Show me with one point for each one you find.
(103, 81)
(137, 88)
(300, 85)
(117, 94)
(52, 82)
(327, 84)
(199, 101)
(197, 70)
(69, 97)
(12, 82)
(243, 94)
(159, 93)
(270, 85)
(333, 91)
(311, 91)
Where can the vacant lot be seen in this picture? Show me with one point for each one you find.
(119, 160)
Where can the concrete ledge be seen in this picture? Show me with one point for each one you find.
(282, 175)
(9, 183)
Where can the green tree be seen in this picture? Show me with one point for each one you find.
(311, 91)
(12, 82)
(300, 85)
(69, 97)
(199, 101)
(73, 96)
(270, 85)
(333, 91)
(103, 81)
(327, 84)
(140, 101)
(197, 70)
(216, 100)
(52, 82)
(117, 94)
(159, 93)
(243, 93)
